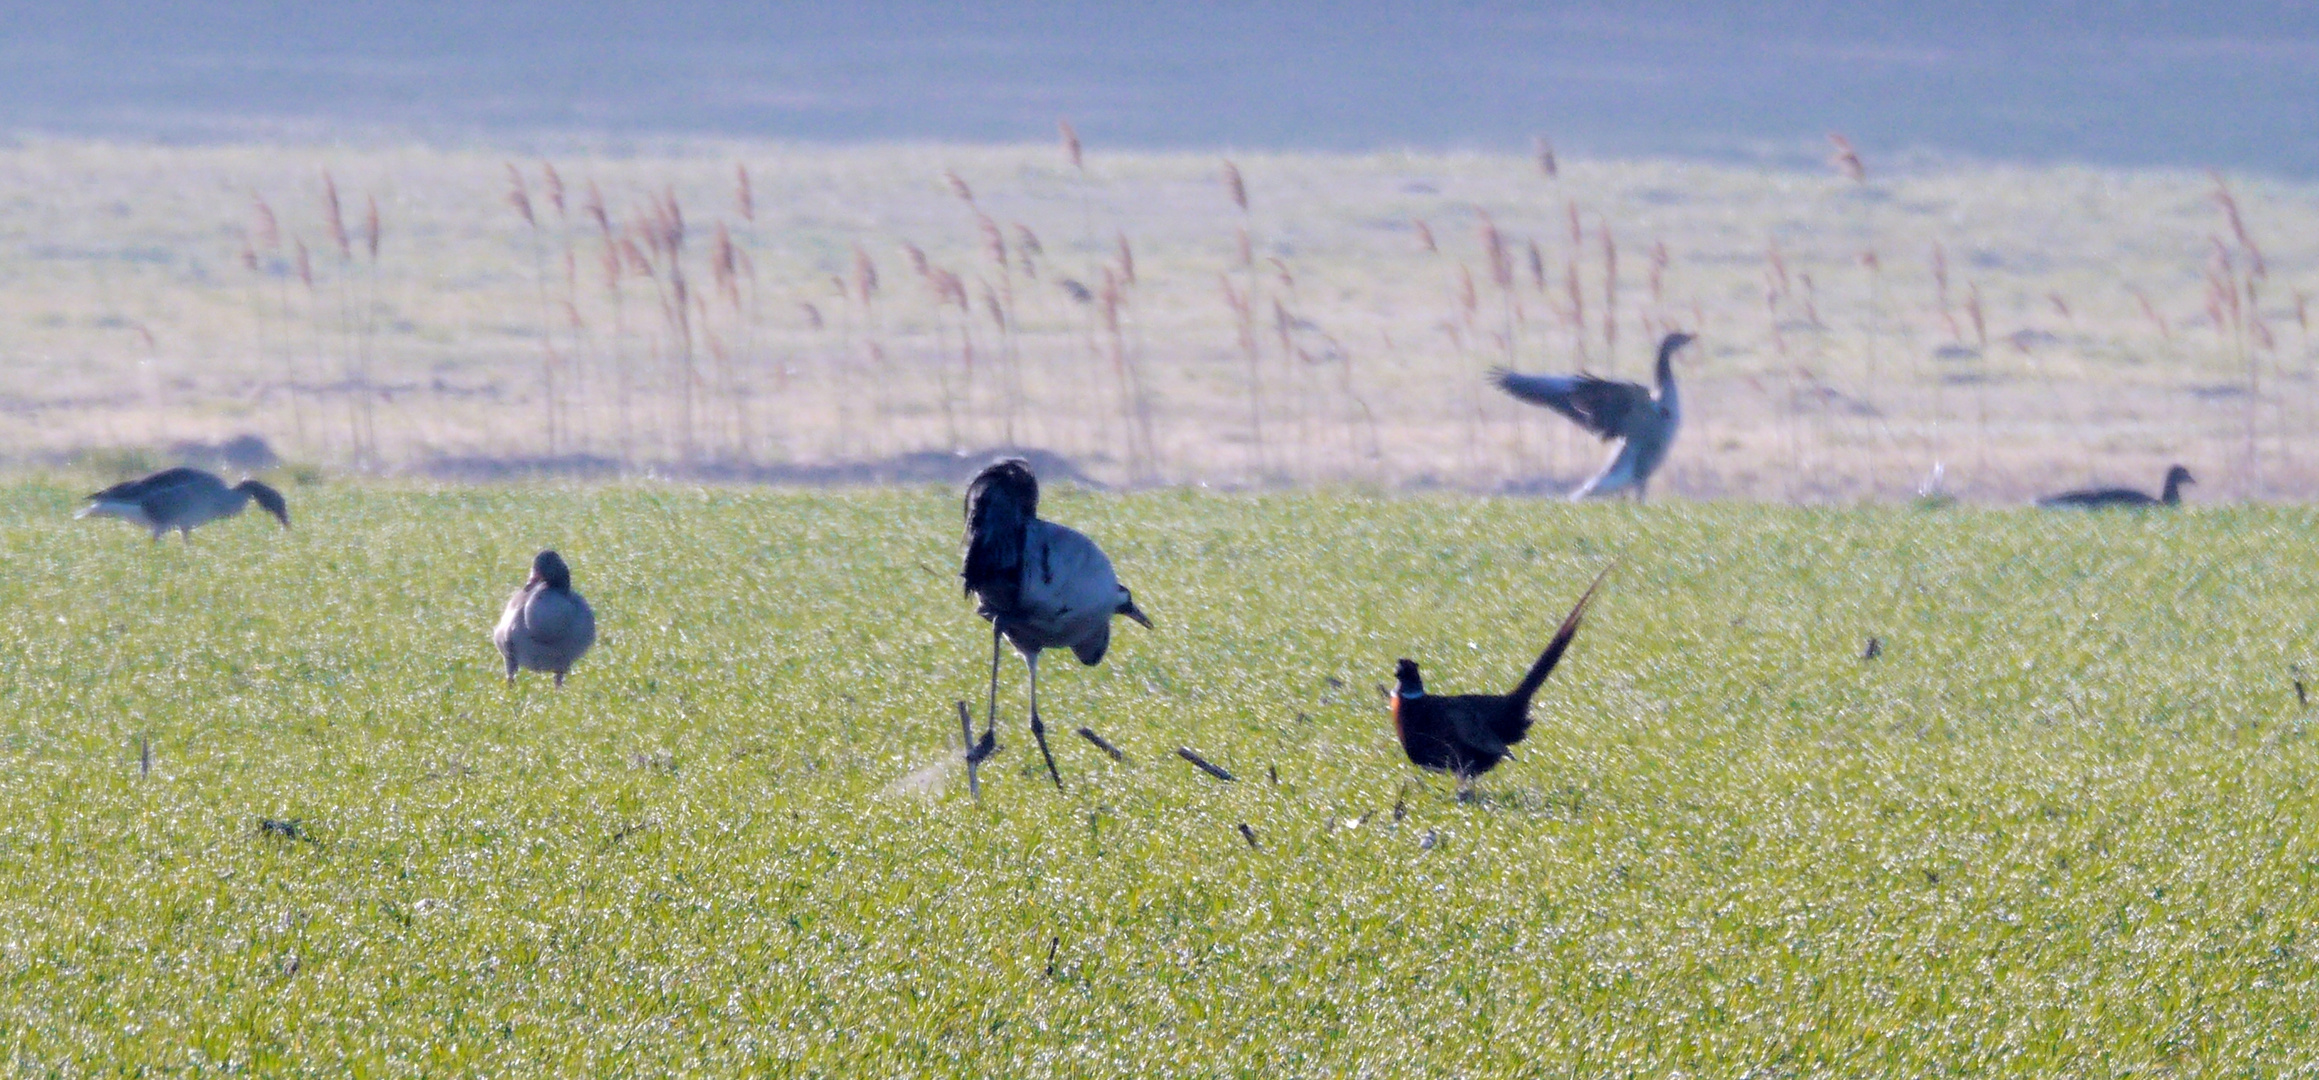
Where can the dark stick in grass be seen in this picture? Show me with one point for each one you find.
(1249, 835)
(1186, 753)
(1100, 744)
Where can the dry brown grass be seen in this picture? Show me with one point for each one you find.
(2019, 329)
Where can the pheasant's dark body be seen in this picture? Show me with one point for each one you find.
(1465, 734)
(1469, 734)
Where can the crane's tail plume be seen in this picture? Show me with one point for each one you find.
(1555, 648)
(1001, 503)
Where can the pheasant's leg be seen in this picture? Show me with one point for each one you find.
(1038, 729)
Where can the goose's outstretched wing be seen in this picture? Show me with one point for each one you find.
(1608, 408)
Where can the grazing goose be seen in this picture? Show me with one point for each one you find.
(1643, 420)
(1042, 585)
(1468, 734)
(546, 626)
(180, 499)
(2103, 498)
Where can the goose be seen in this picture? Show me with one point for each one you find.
(2103, 498)
(1468, 734)
(1041, 585)
(181, 499)
(546, 626)
(1643, 420)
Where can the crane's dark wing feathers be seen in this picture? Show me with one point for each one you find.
(1001, 503)
(1606, 407)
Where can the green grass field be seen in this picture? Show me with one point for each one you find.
(2062, 826)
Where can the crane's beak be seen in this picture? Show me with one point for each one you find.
(1133, 612)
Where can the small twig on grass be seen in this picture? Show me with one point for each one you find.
(1186, 753)
(292, 829)
(1100, 744)
(145, 745)
(1249, 835)
(626, 831)
(1052, 943)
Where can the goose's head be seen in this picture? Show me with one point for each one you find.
(2178, 476)
(1668, 347)
(266, 497)
(1127, 607)
(548, 567)
(1412, 684)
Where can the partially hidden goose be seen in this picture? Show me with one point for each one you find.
(1643, 421)
(2103, 498)
(546, 626)
(1466, 735)
(1041, 585)
(180, 499)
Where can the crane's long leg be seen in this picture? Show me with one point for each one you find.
(990, 716)
(1038, 729)
(978, 750)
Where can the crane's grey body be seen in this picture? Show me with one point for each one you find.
(182, 499)
(1042, 585)
(1643, 421)
(2107, 498)
(546, 626)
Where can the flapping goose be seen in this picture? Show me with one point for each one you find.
(1644, 421)
(181, 499)
(1041, 585)
(2102, 498)
(546, 626)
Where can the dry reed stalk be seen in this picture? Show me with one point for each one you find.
(1845, 159)
(1609, 296)
(999, 304)
(267, 240)
(519, 197)
(1425, 241)
(1244, 324)
(864, 293)
(1940, 272)
(372, 235)
(2150, 312)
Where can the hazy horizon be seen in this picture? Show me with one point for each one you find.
(2137, 84)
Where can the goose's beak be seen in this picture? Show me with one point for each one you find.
(1136, 613)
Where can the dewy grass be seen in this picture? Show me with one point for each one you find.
(2062, 824)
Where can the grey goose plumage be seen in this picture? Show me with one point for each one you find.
(2105, 498)
(182, 499)
(1041, 585)
(1642, 420)
(546, 626)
